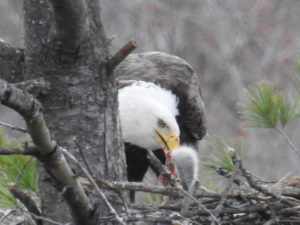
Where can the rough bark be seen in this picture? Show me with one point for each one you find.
(11, 63)
(72, 28)
(82, 102)
(47, 151)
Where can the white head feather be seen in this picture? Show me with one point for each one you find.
(141, 106)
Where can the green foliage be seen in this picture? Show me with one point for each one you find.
(266, 108)
(221, 155)
(10, 168)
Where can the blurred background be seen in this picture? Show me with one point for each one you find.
(231, 45)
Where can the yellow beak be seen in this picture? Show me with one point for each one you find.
(168, 141)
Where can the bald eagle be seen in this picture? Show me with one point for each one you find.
(160, 102)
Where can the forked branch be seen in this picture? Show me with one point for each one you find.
(47, 150)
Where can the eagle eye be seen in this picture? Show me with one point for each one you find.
(161, 124)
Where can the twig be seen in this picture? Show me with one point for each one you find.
(26, 200)
(173, 192)
(120, 56)
(42, 218)
(153, 216)
(14, 127)
(18, 151)
(108, 204)
(227, 188)
(123, 198)
(274, 215)
(132, 186)
(7, 215)
(82, 155)
(199, 204)
(288, 140)
(261, 189)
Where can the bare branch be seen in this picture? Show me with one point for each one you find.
(18, 150)
(42, 218)
(288, 140)
(27, 201)
(241, 203)
(173, 192)
(5, 217)
(120, 55)
(227, 189)
(30, 109)
(132, 186)
(13, 127)
(260, 188)
(91, 179)
(48, 152)
(82, 155)
(210, 213)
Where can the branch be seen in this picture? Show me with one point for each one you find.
(241, 203)
(120, 56)
(132, 186)
(30, 109)
(227, 188)
(261, 189)
(18, 150)
(47, 150)
(173, 192)
(42, 218)
(5, 217)
(211, 214)
(13, 127)
(11, 62)
(71, 23)
(288, 140)
(85, 171)
(82, 155)
(27, 201)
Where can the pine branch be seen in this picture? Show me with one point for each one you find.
(288, 140)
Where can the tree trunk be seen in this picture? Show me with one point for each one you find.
(11, 63)
(65, 44)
